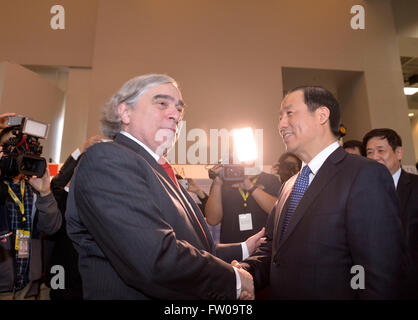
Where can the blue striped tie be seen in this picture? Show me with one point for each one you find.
(301, 184)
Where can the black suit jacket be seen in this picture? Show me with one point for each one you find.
(137, 236)
(407, 190)
(348, 216)
(63, 252)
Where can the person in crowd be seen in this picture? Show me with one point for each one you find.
(63, 252)
(241, 208)
(354, 147)
(335, 233)
(385, 146)
(138, 233)
(287, 166)
(30, 210)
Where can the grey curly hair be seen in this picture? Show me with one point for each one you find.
(129, 93)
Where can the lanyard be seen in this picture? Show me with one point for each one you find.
(247, 194)
(16, 199)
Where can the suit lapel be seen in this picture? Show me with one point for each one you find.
(198, 226)
(282, 205)
(172, 188)
(322, 178)
(129, 143)
(199, 216)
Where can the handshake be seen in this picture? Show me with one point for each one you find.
(247, 283)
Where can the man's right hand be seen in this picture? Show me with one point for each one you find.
(247, 284)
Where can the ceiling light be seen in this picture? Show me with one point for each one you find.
(411, 114)
(410, 90)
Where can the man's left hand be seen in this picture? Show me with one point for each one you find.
(255, 240)
(4, 118)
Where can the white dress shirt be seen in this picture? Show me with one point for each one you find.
(316, 163)
(396, 177)
(152, 153)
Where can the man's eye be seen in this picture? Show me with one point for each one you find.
(162, 103)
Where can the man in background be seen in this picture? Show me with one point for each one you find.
(385, 146)
(354, 147)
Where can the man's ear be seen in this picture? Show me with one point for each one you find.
(399, 153)
(323, 114)
(125, 113)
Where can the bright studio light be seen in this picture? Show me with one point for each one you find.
(409, 91)
(244, 143)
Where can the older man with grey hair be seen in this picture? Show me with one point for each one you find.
(138, 233)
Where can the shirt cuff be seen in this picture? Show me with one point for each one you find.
(76, 154)
(245, 253)
(238, 282)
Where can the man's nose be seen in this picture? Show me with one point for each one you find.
(174, 113)
(282, 123)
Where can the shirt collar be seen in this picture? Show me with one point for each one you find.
(396, 177)
(152, 153)
(316, 163)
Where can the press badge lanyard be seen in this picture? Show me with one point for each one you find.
(16, 199)
(247, 194)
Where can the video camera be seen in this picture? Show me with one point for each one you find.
(246, 151)
(21, 153)
(229, 172)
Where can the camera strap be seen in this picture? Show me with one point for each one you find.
(247, 194)
(16, 199)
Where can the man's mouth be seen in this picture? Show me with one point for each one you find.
(172, 129)
(286, 135)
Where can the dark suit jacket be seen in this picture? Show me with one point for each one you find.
(62, 249)
(347, 217)
(136, 235)
(408, 197)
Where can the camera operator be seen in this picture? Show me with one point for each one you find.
(30, 209)
(241, 208)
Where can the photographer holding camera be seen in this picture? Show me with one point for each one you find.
(241, 207)
(28, 209)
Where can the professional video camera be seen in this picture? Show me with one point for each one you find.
(229, 172)
(246, 151)
(21, 153)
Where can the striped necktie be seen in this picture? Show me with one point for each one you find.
(299, 188)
